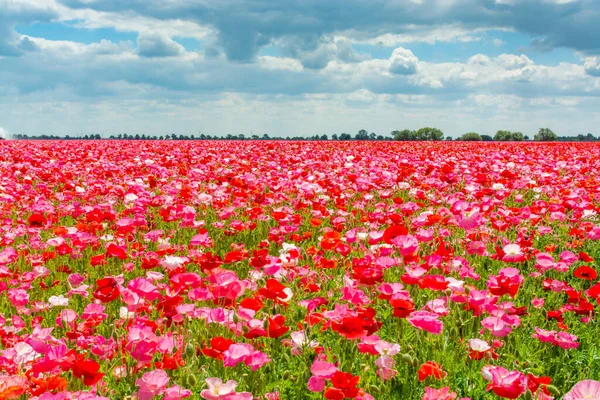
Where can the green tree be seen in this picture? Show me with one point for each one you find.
(471, 137)
(405, 134)
(428, 133)
(545, 135)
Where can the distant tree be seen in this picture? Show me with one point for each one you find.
(362, 135)
(405, 134)
(508, 136)
(241, 136)
(448, 138)
(265, 137)
(334, 136)
(471, 137)
(372, 136)
(487, 138)
(545, 135)
(380, 137)
(345, 136)
(428, 133)
(324, 137)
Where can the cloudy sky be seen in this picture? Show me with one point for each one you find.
(298, 67)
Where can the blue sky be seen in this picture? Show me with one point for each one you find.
(291, 68)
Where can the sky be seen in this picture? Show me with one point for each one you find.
(298, 67)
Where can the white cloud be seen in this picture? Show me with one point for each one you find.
(155, 44)
(403, 62)
(592, 66)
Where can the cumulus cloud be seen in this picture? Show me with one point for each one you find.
(403, 62)
(592, 66)
(242, 28)
(154, 44)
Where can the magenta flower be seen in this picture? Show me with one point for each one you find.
(426, 321)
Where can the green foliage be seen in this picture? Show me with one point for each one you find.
(508, 136)
(471, 137)
(423, 134)
(545, 135)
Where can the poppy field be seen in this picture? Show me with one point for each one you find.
(270, 270)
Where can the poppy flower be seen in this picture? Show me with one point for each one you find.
(88, 370)
(587, 389)
(431, 369)
(394, 231)
(106, 290)
(504, 383)
(344, 386)
(586, 272)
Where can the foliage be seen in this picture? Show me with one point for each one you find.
(545, 135)
(471, 137)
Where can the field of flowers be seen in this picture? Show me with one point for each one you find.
(299, 270)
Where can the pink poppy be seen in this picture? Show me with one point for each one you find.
(588, 390)
(426, 320)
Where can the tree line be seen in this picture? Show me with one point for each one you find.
(423, 134)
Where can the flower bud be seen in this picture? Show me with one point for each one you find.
(553, 389)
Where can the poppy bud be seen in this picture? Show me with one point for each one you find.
(553, 389)
(407, 359)
(285, 375)
(528, 395)
(191, 380)
(190, 351)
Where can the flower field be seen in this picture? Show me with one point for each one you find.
(266, 270)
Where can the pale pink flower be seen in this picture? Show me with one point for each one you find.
(496, 326)
(438, 394)
(584, 390)
(217, 390)
(151, 384)
(513, 253)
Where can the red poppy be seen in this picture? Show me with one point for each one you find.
(583, 256)
(433, 282)
(273, 290)
(433, 369)
(106, 290)
(277, 326)
(252, 304)
(88, 370)
(402, 307)
(344, 386)
(349, 327)
(391, 232)
(218, 345)
(37, 220)
(586, 272)
(112, 250)
(535, 382)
